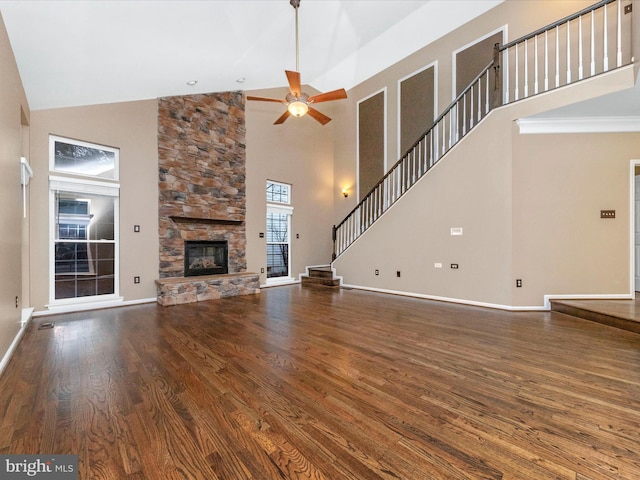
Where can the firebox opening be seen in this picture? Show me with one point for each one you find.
(206, 257)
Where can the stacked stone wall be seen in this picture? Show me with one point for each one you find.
(202, 193)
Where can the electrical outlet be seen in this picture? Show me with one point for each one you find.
(519, 283)
(136, 279)
(136, 228)
(454, 266)
(262, 270)
(377, 272)
(398, 273)
(607, 214)
(17, 302)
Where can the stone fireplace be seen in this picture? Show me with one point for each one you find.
(202, 194)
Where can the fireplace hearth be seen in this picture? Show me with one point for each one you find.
(206, 257)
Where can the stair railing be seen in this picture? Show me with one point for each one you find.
(587, 43)
(535, 63)
(457, 120)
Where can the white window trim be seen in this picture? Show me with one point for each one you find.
(282, 209)
(87, 185)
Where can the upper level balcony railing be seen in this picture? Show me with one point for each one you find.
(587, 43)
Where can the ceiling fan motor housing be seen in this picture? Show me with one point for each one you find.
(303, 97)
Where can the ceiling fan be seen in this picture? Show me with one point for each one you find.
(299, 103)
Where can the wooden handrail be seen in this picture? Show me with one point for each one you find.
(553, 25)
(422, 137)
(444, 132)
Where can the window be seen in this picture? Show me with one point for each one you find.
(81, 158)
(278, 193)
(84, 222)
(279, 214)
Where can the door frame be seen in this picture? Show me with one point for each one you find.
(635, 163)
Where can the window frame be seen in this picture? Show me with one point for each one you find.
(79, 184)
(281, 184)
(281, 208)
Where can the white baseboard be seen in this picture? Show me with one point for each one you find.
(27, 314)
(461, 301)
(511, 308)
(288, 281)
(80, 307)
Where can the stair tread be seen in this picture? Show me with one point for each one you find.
(332, 282)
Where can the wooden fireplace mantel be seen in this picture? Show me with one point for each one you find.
(206, 221)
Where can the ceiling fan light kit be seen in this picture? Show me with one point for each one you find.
(299, 103)
(298, 108)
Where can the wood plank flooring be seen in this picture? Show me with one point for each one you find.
(319, 383)
(624, 314)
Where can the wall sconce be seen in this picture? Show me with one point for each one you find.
(345, 192)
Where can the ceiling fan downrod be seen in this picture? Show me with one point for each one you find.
(296, 4)
(299, 103)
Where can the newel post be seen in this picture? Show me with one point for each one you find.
(497, 80)
(334, 236)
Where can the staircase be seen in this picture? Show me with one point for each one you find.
(322, 275)
(580, 46)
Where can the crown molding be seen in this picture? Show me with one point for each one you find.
(579, 125)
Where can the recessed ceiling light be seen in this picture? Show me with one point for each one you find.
(241, 80)
(191, 83)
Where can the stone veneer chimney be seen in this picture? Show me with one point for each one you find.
(201, 157)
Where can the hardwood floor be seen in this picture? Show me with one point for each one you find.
(326, 384)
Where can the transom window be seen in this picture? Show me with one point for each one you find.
(278, 192)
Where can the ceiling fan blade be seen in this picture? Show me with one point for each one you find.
(282, 118)
(263, 99)
(294, 82)
(327, 97)
(320, 117)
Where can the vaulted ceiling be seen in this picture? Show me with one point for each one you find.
(82, 52)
